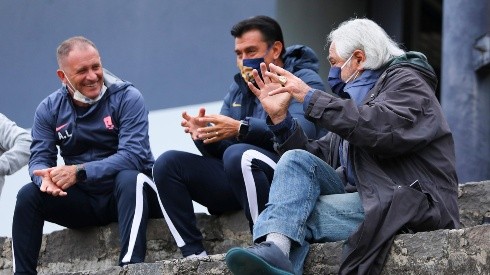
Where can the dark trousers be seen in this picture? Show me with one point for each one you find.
(131, 202)
(217, 184)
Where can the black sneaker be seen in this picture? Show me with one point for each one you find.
(262, 258)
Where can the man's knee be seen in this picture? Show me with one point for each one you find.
(293, 157)
(233, 154)
(168, 161)
(126, 180)
(28, 193)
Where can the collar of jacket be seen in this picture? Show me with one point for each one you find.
(414, 60)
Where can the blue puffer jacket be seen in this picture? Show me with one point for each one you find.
(240, 103)
(109, 137)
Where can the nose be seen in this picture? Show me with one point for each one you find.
(92, 75)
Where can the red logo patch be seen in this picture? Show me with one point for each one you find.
(108, 122)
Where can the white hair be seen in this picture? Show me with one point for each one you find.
(365, 35)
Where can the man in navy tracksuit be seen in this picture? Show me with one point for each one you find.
(238, 159)
(100, 125)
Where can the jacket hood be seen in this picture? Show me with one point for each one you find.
(299, 57)
(417, 61)
(114, 83)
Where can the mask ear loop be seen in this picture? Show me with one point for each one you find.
(354, 75)
(357, 74)
(78, 96)
(348, 59)
(69, 82)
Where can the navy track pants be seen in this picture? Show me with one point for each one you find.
(131, 202)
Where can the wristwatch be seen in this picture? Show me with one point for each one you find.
(243, 130)
(81, 173)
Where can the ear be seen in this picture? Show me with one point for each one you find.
(358, 59)
(277, 49)
(61, 75)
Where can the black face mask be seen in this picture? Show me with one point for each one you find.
(248, 65)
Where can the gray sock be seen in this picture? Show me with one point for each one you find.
(282, 241)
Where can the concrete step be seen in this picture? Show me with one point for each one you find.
(463, 251)
(95, 250)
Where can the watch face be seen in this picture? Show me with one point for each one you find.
(243, 129)
(81, 175)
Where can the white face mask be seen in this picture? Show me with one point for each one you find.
(81, 98)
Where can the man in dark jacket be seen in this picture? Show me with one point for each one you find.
(238, 159)
(99, 124)
(387, 165)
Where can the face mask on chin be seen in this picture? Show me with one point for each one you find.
(81, 98)
(78, 96)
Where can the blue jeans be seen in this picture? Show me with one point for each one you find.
(308, 203)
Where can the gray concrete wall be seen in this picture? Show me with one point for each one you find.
(309, 23)
(465, 88)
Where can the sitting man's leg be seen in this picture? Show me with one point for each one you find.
(334, 218)
(250, 170)
(182, 177)
(136, 197)
(300, 178)
(32, 208)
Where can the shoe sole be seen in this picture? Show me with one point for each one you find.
(242, 262)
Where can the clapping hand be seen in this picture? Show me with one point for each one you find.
(219, 127)
(192, 124)
(276, 104)
(291, 84)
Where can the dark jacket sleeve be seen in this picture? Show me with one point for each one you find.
(43, 148)
(259, 133)
(312, 79)
(397, 121)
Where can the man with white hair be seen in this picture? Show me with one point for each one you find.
(387, 165)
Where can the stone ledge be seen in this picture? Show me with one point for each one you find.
(463, 251)
(474, 202)
(97, 248)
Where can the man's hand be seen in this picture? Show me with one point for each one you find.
(47, 184)
(276, 106)
(294, 85)
(220, 127)
(64, 176)
(191, 124)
